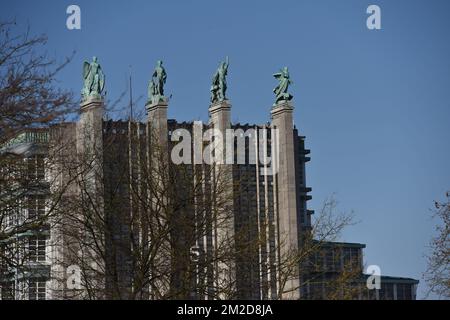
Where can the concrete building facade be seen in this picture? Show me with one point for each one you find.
(230, 227)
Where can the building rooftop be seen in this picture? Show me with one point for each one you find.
(390, 279)
(344, 244)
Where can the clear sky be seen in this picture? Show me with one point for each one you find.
(374, 105)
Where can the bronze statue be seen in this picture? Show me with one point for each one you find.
(94, 79)
(283, 85)
(156, 85)
(219, 83)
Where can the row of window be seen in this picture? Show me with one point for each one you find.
(336, 259)
(33, 168)
(32, 249)
(403, 292)
(36, 290)
(31, 290)
(36, 167)
(35, 209)
(388, 291)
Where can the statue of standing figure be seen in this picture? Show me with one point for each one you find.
(219, 83)
(94, 79)
(156, 85)
(282, 87)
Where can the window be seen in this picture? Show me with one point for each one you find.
(8, 291)
(11, 213)
(352, 258)
(35, 167)
(36, 207)
(36, 249)
(302, 212)
(316, 290)
(36, 290)
(372, 294)
(386, 291)
(329, 259)
(408, 292)
(347, 257)
(356, 257)
(404, 292)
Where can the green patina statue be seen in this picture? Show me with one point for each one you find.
(94, 79)
(283, 85)
(156, 85)
(219, 83)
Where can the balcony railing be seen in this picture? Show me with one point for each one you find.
(34, 136)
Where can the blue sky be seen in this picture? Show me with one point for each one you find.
(374, 105)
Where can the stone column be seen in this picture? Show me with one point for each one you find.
(158, 169)
(286, 192)
(222, 205)
(89, 143)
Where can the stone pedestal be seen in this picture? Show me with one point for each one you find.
(91, 116)
(90, 128)
(220, 114)
(157, 120)
(286, 190)
(220, 119)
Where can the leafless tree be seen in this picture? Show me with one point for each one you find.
(141, 232)
(339, 281)
(29, 101)
(29, 96)
(147, 229)
(438, 272)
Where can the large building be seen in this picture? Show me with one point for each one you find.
(119, 218)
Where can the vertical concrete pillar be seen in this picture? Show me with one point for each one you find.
(90, 153)
(222, 204)
(90, 146)
(90, 129)
(286, 194)
(157, 120)
(158, 169)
